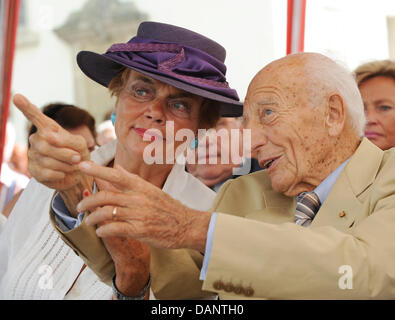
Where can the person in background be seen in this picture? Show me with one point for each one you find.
(72, 118)
(19, 160)
(376, 82)
(11, 181)
(209, 168)
(105, 132)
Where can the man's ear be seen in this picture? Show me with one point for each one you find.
(336, 115)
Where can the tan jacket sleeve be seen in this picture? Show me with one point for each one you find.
(286, 261)
(85, 243)
(174, 273)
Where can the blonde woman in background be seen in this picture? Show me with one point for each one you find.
(376, 82)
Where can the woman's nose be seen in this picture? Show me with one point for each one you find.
(155, 112)
(371, 117)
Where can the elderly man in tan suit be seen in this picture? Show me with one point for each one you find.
(317, 223)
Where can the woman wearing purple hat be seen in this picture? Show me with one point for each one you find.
(166, 74)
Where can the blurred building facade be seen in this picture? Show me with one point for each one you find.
(253, 32)
(95, 27)
(45, 68)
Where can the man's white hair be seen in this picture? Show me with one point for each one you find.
(327, 75)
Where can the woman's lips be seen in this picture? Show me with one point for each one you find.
(151, 133)
(372, 134)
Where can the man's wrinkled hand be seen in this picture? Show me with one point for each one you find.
(144, 212)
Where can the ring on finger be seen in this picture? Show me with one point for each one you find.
(114, 213)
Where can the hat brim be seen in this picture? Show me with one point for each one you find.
(102, 69)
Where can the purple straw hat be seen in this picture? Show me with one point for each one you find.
(173, 55)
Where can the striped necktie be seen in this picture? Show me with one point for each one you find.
(307, 206)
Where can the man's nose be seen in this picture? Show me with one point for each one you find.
(155, 112)
(258, 137)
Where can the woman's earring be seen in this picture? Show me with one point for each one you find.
(113, 117)
(194, 143)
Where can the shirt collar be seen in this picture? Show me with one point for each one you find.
(323, 189)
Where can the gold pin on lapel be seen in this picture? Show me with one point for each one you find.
(342, 214)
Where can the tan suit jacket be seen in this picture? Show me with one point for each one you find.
(258, 247)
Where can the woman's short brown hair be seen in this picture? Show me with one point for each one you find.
(209, 113)
(68, 117)
(373, 69)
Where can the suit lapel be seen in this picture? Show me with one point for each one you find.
(342, 206)
(278, 207)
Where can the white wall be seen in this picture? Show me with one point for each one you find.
(351, 32)
(42, 70)
(244, 28)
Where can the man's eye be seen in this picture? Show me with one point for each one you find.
(266, 115)
(268, 112)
